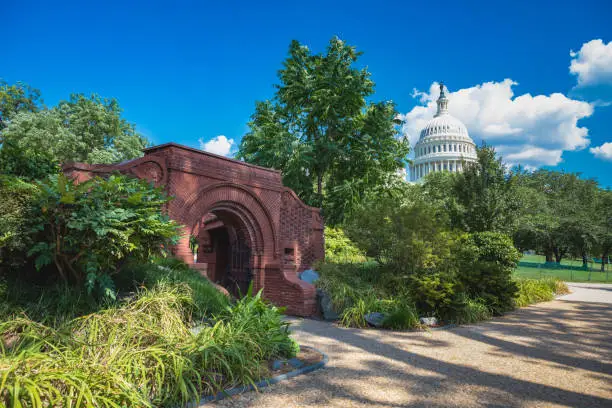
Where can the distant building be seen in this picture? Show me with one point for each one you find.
(444, 144)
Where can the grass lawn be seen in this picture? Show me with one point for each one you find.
(595, 275)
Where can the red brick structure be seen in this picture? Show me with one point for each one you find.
(249, 227)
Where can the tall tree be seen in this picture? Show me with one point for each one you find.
(485, 195)
(330, 143)
(16, 98)
(558, 216)
(602, 222)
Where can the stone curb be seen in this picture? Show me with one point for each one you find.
(263, 383)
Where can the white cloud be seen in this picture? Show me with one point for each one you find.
(530, 156)
(603, 152)
(592, 63)
(526, 129)
(220, 145)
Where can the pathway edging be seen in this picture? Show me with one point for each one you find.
(263, 383)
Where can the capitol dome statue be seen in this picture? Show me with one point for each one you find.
(444, 144)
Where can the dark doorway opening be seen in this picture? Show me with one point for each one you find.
(240, 271)
(233, 262)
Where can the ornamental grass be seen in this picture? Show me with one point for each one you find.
(144, 353)
(538, 290)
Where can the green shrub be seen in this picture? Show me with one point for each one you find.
(346, 283)
(52, 305)
(16, 197)
(265, 322)
(401, 317)
(359, 289)
(434, 293)
(469, 311)
(534, 290)
(85, 232)
(354, 315)
(26, 161)
(56, 304)
(340, 249)
(485, 263)
(404, 233)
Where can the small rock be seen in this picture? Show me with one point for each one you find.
(309, 276)
(375, 319)
(277, 364)
(296, 362)
(429, 321)
(327, 309)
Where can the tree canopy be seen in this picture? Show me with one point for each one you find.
(330, 143)
(35, 140)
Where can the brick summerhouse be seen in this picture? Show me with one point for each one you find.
(248, 226)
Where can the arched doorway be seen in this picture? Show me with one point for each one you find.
(227, 246)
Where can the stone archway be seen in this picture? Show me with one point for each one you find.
(223, 201)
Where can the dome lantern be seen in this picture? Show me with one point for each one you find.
(442, 102)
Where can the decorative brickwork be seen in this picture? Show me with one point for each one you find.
(250, 228)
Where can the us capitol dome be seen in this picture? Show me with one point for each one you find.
(444, 144)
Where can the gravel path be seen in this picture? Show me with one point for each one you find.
(552, 354)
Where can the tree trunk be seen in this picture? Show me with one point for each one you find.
(604, 258)
(549, 256)
(585, 262)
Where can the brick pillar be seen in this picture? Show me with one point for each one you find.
(283, 287)
(181, 249)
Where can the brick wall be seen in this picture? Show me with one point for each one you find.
(285, 235)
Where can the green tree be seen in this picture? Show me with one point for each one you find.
(602, 225)
(86, 129)
(401, 231)
(17, 98)
(330, 143)
(558, 214)
(485, 195)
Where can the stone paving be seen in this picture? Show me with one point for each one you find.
(554, 354)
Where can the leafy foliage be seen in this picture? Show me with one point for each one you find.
(87, 230)
(470, 311)
(17, 98)
(143, 353)
(15, 212)
(331, 145)
(485, 196)
(434, 292)
(358, 289)
(559, 218)
(538, 290)
(340, 249)
(442, 272)
(36, 140)
(401, 231)
(486, 261)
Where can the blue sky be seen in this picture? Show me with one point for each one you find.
(190, 72)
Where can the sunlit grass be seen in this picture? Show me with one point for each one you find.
(143, 353)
